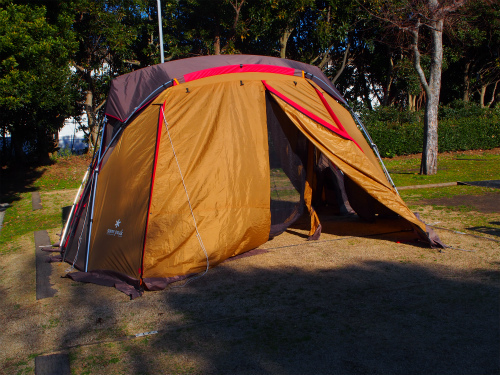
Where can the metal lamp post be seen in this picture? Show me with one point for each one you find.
(160, 28)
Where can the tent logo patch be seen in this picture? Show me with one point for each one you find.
(115, 232)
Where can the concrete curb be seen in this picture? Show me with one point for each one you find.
(43, 268)
(3, 208)
(487, 183)
(427, 186)
(36, 202)
(52, 364)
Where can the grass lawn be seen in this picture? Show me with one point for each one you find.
(452, 167)
(344, 304)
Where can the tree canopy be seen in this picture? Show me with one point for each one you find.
(36, 86)
(58, 58)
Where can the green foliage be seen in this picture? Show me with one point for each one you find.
(462, 126)
(458, 109)
(36, 94)
(472, 51)
(393, 140)
(392, 115)
(57, 59)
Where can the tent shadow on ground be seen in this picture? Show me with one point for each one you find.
(371, 317)
(395, 230)
(493, 230)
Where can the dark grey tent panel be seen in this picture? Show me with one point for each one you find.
(130, 92)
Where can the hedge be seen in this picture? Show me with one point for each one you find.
(457, 131)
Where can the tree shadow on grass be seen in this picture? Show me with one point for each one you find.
(372, 317)
(18, 179)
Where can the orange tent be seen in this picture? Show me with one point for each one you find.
(189, 155)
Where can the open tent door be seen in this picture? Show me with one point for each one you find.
(370, 193)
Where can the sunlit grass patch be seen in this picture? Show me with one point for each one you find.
(451, 168)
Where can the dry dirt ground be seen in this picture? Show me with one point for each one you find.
(341, 305)
(488, 203)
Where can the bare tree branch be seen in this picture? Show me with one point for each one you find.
(344, 61)
(80, 68)
(100, 105)
(416, 59)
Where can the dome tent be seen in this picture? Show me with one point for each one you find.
(182, 180)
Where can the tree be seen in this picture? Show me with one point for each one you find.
(36, 92)
(419, 19)
(480, 45)
(272, 24)
(105, 31)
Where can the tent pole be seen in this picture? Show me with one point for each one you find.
(63, 236)
(70, 216)
(92, 200)
(374, 148)
(91, 208)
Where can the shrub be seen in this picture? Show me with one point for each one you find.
(462, 126)
(393, 140)
(392, 115)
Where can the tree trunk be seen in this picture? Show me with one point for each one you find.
(430, 150)
(466, 82)
(482, 95)
(284, 41)
(55, 143)
(217, 45)
(428, 164)
(366, 89)
(493, 95)
(432, 88)
(412, 100)
(388, 84)
(91, 121)
(325, 60)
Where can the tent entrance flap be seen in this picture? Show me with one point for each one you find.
(301, 177)
(344, 154)
(287, 172)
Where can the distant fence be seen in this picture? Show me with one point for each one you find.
(75, 145)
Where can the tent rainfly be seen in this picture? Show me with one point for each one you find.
(189, 157)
